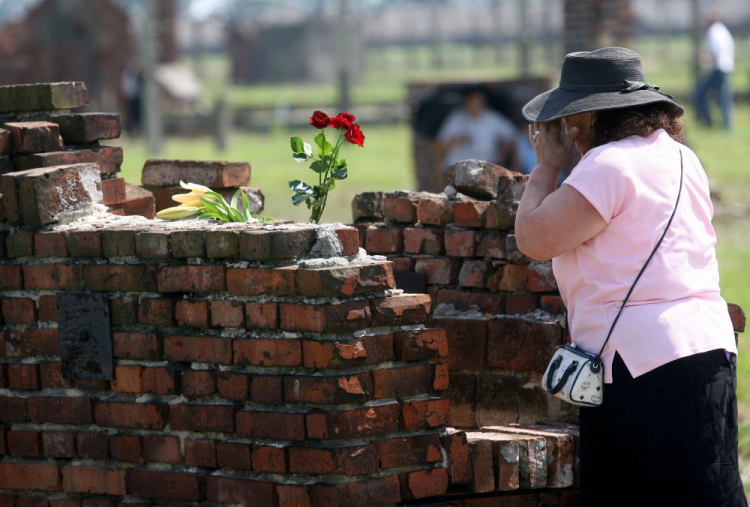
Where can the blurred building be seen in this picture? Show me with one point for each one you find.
(591, 24)
(79, 40)
(289, 50)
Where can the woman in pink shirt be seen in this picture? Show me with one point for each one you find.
(666, 432)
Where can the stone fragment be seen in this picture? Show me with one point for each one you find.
(484, 180)
(213, 174)
(367, 205)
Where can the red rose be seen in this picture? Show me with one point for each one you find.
(343, 120)
(320, 120)
(354, 135)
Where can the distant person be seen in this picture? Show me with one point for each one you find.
(132, 90)
(477, 132)
(718, 58)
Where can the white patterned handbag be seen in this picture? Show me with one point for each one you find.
(577, 376)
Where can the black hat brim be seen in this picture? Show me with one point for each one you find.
(558, 103)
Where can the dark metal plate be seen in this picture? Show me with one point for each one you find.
(85, 336)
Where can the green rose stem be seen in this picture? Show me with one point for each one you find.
(317, 212)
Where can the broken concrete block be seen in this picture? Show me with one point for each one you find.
(212, 174)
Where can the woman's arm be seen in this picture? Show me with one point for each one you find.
(551, 221)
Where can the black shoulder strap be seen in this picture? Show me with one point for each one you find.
(624, 302)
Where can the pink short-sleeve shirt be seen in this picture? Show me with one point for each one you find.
(676, 309)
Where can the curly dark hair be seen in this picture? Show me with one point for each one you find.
(615, 124)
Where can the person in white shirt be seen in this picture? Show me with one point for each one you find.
(477, 132)
(718, 57)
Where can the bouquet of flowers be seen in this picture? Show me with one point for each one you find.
(325, 160)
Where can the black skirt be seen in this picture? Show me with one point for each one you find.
(666, 438)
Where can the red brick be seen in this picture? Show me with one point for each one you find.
(267, 389)
(329, 390)
(59, 444)
(467, 342)
(82, 128)
(31, 502)
(423, 414)
(191, 278)
(198, 383)
(435, 211)
(113, 191)
(191, 313)
(161, 449)
(276, 245)
(517, 304)
(198, 349)
(402, 263)
(200, 453)
(501, 216)
(120, 278)
(128, 379)
(355, 460)
(400, 382)
(423, 240)
(26, 444)
(23, 377)
(50, 374)
(514, 278)
(12, 344)
(160, 380)
(420, 345)
(50, 244)
(222, 244)
(42, 342)
(267, 352)
(47, 308)
(136, 346)
(540, 277)
(108, 158)
(13, 409)
(35, 136)
(383, 490)
(408, 451)
(53, 276)
(91, 445)
(119, 242)
(459, 459)
(153, 244)
(233, 386)
(19, 243)
(28, 476)
(522, 344)
(400, 208)
(150, 416)
(438, 271)
(349, 238)
(381, 240)
(219, 418)
(347, 353)
(126, 448)
(239, 491)
(460, 242)
(470, 213)
(263, 315)
(491, 244)
(440, 377)
(234, 456)
(95, 480)
(227, 313)
(10, 277)
(424, 483)
(167, 485)
(482, 463)
(6, 142)
(269, 458)
(123, 310)
(51, 409)
(19, 311)
(213, 174)
(474, 274)
(156, 311)
(354, 423)
(261, 281)
(400, 310)
(84, 243)
(272, 425)
(552, 304)
(329, 318)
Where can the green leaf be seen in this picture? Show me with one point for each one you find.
(246, 207)
(235, 198)
(301, 157)
(325, 149)
(340, 173)
(297, 145)
(299, 198)
(319, 192)
(341, 163)
(300, 186)
(319, 166)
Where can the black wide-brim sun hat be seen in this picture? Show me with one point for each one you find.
(607, 78)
